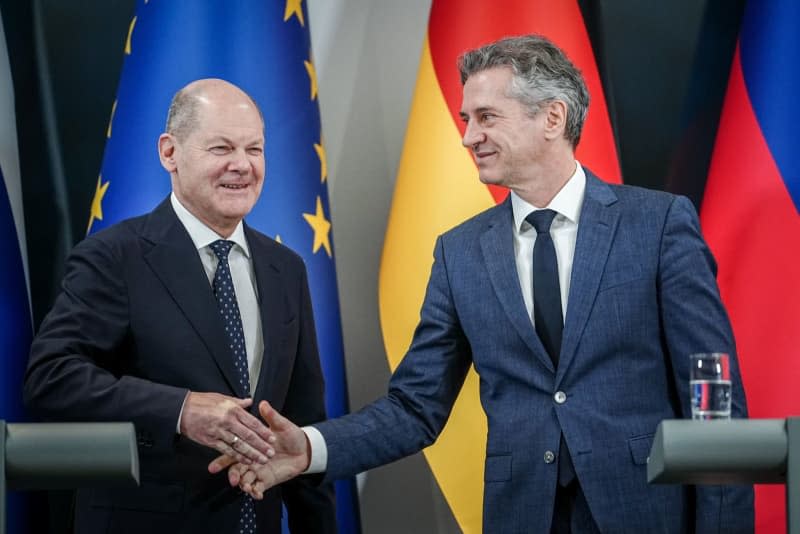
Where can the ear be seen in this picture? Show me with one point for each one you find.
(166, 152)
(555, 119)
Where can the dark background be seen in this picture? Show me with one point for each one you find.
(664, 66)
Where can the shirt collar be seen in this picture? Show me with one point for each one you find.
(567, 202)
(202, 235)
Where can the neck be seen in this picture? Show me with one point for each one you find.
(540, 189)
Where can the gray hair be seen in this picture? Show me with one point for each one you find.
(542, 73)
(183, 116)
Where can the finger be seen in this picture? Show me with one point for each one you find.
(244, 403)
(250, 445)
(220, 463)
(254, 426)
(276, 421)
(226, 448)
(258, 490)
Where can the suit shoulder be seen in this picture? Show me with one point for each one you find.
(478, 223)
(116, 238)
(279, 252)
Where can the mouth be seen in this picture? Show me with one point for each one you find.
(482, 155)
(234, 187)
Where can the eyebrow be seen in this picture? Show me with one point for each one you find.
(478, 111)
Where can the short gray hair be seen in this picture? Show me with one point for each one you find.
(183, 116)
(542, 73)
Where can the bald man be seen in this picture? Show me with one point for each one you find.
(181, 320)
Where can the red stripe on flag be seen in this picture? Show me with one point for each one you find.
(459, 25)
(753, 230)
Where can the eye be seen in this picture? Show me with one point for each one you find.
(255, 151)
(487, 117)
(220, 150)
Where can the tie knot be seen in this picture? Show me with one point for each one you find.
(541, 220)
(221, 248)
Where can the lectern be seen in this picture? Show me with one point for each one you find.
(66, 455)
(739, 451)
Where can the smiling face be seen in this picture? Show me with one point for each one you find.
(217, 167)
(507, 141)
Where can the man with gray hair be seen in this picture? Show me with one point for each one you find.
(577, 302)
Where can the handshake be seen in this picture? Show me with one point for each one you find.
(288, 455)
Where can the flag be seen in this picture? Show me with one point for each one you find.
(15, 316)
(264, 48)
(751, 218)
(438, 177)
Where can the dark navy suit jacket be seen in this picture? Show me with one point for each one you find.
(643, 296)
(135, 327)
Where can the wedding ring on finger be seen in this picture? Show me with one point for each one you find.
(234, 441)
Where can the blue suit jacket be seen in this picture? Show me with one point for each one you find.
(643, 296)
(137, 326)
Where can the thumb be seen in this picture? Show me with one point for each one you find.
(276, 421)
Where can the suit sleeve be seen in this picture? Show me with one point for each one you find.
(695, 320)
(310, 503)
(421, 393)
(74, 370)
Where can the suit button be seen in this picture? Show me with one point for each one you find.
(549, 457)
(560, 397)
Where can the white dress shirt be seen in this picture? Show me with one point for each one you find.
(244, 282)
(564, 232)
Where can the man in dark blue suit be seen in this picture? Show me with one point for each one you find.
(577, 302)
(180, 321)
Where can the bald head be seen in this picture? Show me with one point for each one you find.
(186, 107)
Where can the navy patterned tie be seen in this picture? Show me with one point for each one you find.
(232, 319)
(547, 311)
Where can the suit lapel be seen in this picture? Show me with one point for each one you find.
(271, 300)
(497, 245)
(597, 226)
(175, 262)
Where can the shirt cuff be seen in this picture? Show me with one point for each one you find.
(180, 414)
(319, 451)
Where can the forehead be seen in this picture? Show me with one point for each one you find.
(488, 87)
(235, 119)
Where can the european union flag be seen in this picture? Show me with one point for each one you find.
(263, 47)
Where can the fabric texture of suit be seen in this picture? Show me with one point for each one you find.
(643, 296)
(135, 327)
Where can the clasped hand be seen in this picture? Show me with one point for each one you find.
(290, 456)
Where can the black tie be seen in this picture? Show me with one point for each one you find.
(547, 311)
(546, 291)
(229, 310)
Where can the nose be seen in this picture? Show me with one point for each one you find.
(473, 135)
(239, 161)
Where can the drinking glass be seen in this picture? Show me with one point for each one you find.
(710, 385)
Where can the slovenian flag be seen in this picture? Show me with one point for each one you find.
(438, 177)
(751, 218)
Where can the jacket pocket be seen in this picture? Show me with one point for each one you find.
(640, 448)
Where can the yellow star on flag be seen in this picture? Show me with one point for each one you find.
(294, 7)
(96, 211)
(312, 75)
(128, 40)
(321, 227)
(323, 161)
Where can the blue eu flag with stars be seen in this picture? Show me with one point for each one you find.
(264, 47)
